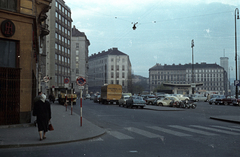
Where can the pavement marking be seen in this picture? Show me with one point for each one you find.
(96, 139)
(144, 133)
(119, 135)
(193, 130)
(228, 128)
(168, 131)
(213, 129)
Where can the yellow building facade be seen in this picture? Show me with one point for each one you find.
(22, 30)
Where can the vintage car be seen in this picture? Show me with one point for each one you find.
(135, 101)
(168, 101)
(199, 97)
(224, 100)
(123, 100)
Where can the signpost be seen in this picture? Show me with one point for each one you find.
(66, 81)
(236, 82)
(81, 81)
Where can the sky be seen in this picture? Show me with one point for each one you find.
(164, 30)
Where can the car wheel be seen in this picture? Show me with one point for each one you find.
(193, 106)
(160, 104)
(150, 103)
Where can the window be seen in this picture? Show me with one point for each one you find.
(123, 75)
(77, 52)
(56, 15)
(112, 67)
(56, 56)
(8, 56)
(112, 74)
(56, 46)
(123, 68)
(56, 4)
(117, 67)
(8, 5)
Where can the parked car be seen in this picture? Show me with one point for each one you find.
(224, 100)
(181, 97)
(135, 101)
(213, 99)
(149, 101)
(88, 96)
(123, 100)
(199, 97)
(169, 101)
(92, 97)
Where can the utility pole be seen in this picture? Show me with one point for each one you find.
(236, 17)
(192, 45)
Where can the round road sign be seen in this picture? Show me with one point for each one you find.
(66, 80)
(81, 81)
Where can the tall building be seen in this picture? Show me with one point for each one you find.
(22, 31)
(212, 77)
(56, 52)
(224, 64)
(79, 58)
(109, 67)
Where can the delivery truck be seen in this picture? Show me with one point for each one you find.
(110, 93)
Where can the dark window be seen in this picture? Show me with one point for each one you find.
(7, 53)
(8, 4)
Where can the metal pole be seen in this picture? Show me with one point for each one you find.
(236, 17)
(81, 107)
(72, 99)
(192, 45)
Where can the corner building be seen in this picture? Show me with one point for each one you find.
(22, 31)
(109, 67)
(212, 77)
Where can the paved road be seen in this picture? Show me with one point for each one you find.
(141, 132)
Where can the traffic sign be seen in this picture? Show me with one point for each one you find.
(81, 81)
(236, 82)
(66, 80)
(46, 79)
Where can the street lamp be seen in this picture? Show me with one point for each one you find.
(230, 68)
(236, 17)
(192, 45)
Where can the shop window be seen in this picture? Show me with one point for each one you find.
(7, 53)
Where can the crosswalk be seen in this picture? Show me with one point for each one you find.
(130, 133)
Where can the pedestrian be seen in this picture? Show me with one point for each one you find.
(38, 97)
(52, 98)
(208, 97)
(42, 110)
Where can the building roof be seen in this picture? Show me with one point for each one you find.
(77, 33)
(113, 51)
(185, 66)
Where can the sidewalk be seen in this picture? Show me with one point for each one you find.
(66, 129)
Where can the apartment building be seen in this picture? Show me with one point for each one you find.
(109, 67)
(212, 77)
(22, 31)
(79, 58)
(56, 55)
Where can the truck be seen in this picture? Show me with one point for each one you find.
(62, 98)
(110, 93)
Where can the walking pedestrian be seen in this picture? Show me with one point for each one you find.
(38, 97)
(42, 110)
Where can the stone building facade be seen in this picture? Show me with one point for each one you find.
(212, 76)
(109, 67)
(22, 30)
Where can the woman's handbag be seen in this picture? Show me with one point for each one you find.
(50, 127)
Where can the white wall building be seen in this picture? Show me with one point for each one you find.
(109, 67)
(79, 58)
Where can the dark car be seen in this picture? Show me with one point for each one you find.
(224, 100)
(135, 101)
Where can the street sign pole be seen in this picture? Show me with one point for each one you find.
(81, 107)
(71, 98)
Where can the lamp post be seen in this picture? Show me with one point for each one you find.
(192, 45)
(236, 17)
(230, 68)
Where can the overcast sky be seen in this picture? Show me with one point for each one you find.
(164, 30)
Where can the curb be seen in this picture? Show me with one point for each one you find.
(50, 143)
(225, 120)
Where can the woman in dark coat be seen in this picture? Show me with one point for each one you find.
(42, 110)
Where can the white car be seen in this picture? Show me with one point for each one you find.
(199, 97)
(181, 97)
(123, 100)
